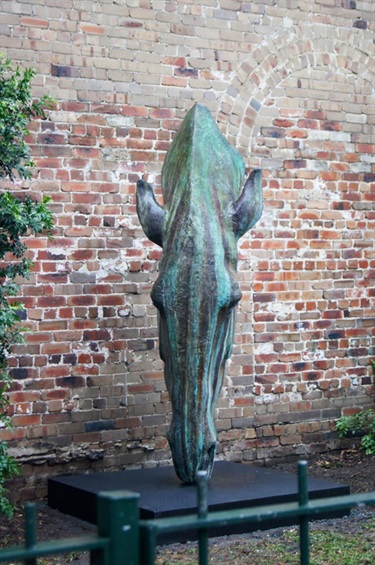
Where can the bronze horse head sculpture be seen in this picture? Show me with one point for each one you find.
(205, 212)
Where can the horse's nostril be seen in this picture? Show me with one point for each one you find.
(211, 451)
(207, 459)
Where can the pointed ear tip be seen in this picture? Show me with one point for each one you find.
(141, 184)
(255, 172)
(257, 175)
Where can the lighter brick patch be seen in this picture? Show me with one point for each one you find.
(313, 355)
(108, 267)
(283, 310)
(64, 117)
(119, 121)
(330, 135)
(263, 348)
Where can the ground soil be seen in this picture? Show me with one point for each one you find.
(350, 467)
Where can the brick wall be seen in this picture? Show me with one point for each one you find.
(291, 85)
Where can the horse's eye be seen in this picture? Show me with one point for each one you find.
(234, 298)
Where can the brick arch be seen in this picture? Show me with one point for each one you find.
(283, 55)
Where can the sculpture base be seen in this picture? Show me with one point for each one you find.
(233, 485)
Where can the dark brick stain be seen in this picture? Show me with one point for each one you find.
(264, 297)
(276, 133)
(335, 335)
(312, 376)
(99, 425)
(22, 314)
(19, 374)
(70, 358)
(131, 23)
(64, 71)
(182, 72)
(299, 366)
(54, 359)
(71, 382)
(361, 24)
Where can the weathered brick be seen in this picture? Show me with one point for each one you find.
(99, 425)
(90, 366)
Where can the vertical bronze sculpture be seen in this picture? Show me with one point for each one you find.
(203, 216)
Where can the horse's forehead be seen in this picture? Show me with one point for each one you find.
(201, 160)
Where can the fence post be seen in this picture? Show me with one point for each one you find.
(303, 500)
(30, 529)
(202, 486)
(148, 537)
(118, 519)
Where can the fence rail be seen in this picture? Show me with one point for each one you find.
(123, 539)
(118, 534)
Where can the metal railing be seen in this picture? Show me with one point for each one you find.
(116, 543)
(124, 539)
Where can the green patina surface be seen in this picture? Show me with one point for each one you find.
(205, 212)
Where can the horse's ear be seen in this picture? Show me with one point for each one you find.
(150, 213)
(248, 208)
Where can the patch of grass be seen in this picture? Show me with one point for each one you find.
(336, 548)
(326, 547)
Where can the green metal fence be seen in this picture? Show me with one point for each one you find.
(116, 543)
(124, 539)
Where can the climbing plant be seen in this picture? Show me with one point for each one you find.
(19, 217)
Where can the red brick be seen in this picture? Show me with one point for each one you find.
(26, 420)
(12, 434)
(162, 113)
(140, 111)
(96, 335)
(142, 156)
(82, 324)
(82, 300)
(331, 126)
(34, 22)
(52, 372)
(92, 29)
(140, 388)
(308, 124)
(60, 394)
(38, 337)
(365, 148)
(315, 115)
(176, 61)
(25, 396)
(298, 133)
(283, 123)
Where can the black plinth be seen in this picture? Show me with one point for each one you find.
(233, 485)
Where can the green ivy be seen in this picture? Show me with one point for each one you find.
(18, 219)
(17, 109)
